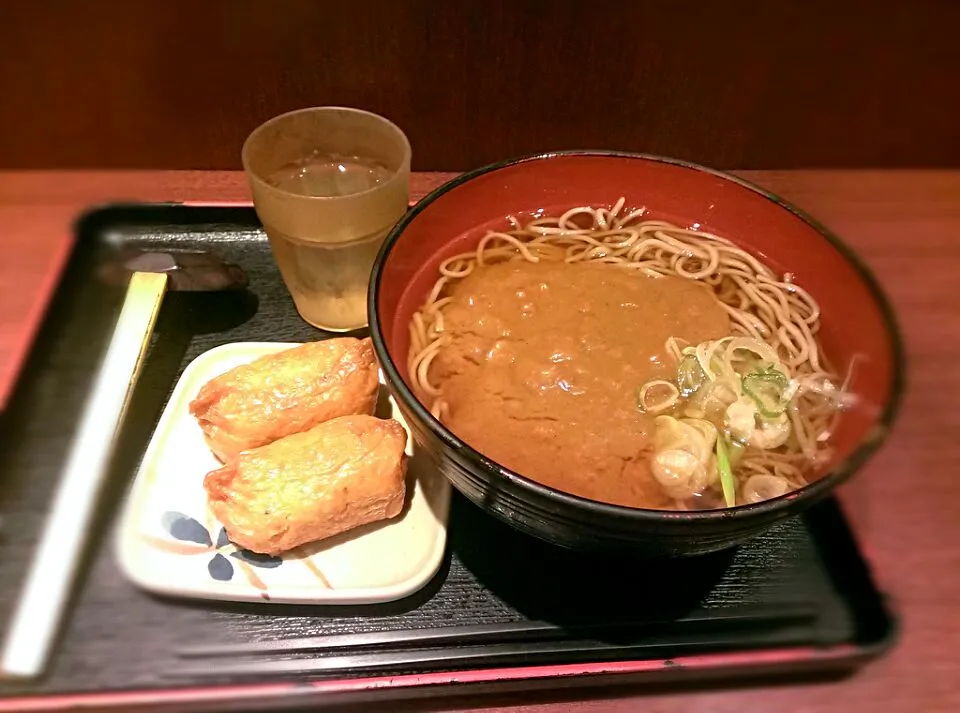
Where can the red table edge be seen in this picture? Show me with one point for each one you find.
(23, 342)
(744, 661)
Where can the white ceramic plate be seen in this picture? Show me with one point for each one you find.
(169, 542)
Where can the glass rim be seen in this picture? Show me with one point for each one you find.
(263, 184)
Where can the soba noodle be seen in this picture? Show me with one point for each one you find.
(761, 305)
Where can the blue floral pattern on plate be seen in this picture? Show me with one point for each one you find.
(190, 530)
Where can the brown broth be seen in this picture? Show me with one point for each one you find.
(545, 361)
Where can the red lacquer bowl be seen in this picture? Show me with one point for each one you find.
(856, 319)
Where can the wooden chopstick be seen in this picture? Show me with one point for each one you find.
(500, 632)
(49, 584)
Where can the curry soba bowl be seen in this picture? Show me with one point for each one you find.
(619, 351)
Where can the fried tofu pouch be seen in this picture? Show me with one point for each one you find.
(287, 392)
(341, 474)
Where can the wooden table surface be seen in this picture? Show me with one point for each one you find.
(905, 505)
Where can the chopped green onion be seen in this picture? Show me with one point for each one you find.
(726, 474)
(690, 376)
(765, 387)
(773, 373)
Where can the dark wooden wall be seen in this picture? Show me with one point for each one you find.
(735, 84)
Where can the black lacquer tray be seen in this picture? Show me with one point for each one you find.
(799, 599)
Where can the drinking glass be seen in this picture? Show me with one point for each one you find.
(328, 183)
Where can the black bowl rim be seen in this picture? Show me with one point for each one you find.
(806, 495)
